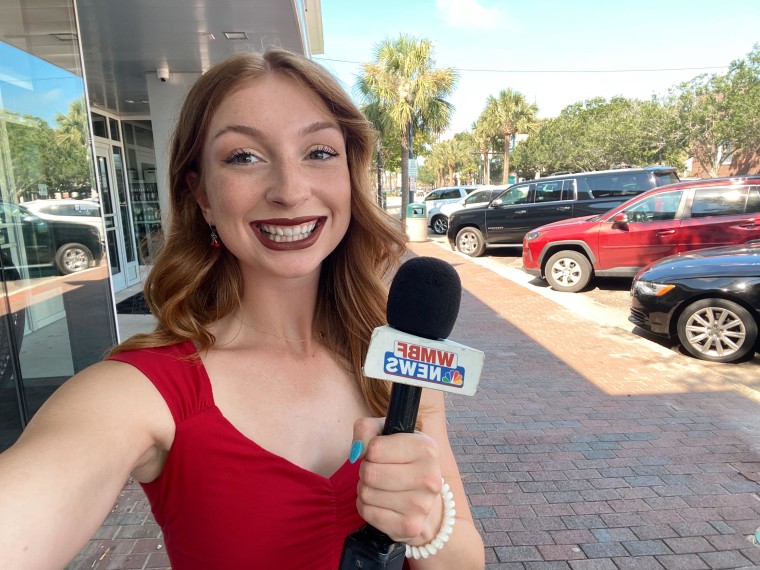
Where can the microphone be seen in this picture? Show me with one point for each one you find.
(411, 351)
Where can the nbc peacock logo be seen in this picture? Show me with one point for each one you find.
(453, 377)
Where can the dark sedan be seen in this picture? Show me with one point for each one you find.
(709, 299)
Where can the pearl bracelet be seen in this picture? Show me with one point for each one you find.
(447, 526)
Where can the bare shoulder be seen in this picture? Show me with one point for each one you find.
(110, 405)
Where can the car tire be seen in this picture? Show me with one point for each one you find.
(72, 258)
(568, 271)
(470, 242)
(717, 330)
(440, 224)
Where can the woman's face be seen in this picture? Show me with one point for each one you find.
(275, 178)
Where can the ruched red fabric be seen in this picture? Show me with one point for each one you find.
(222, 501)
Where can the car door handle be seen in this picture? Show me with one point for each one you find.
(563, 208)
(665, 233)
(521, 212)
(749, 226)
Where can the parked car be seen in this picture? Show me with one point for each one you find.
(479, 197)
(664, 221)
(70, 246)
(709, 299)
(439, 197)
(68, 210)
(526, 205)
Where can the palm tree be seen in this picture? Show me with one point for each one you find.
(73, 125)
(482, 138)
(509, 114)
(403, 84)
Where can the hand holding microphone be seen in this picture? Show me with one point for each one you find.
(423, 304)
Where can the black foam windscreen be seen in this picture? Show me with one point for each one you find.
(424, 298)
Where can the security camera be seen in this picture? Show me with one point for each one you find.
(163, 74)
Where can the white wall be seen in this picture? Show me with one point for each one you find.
(165, 101)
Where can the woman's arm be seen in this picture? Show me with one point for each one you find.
(399, 488)
(59, 481)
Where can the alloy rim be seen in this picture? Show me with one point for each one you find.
(566, 272)
(715, 331)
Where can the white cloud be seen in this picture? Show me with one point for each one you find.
(470, 14)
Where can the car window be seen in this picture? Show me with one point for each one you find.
(728, 201)
(658, 208)
(665, 178)
(548, 191)
(568, 190)
(83, 209)
(479, 196)
(753, 200)
(434, 195)
(516, 195)
(451, 194)
(617, 184)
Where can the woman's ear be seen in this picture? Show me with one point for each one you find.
(193, 182)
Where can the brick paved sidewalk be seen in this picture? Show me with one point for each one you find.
(582, 450)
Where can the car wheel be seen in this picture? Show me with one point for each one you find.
(72, 257)
(717, 330)
(440, 224)
(568, 271)
(470, 242)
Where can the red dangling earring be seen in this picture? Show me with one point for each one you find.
(215, 243)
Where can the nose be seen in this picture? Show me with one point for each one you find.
(290, 185)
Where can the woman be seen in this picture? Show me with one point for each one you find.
(244, 414)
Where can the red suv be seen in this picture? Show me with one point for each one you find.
(664, 221)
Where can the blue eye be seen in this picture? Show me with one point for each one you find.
(241, 156)
(323, 153)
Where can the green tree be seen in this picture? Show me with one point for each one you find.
(403, 84)
(508, 114)
(719, 115)
(598, 134)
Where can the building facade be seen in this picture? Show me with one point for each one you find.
(88, 93)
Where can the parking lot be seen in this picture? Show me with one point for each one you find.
(605, 303)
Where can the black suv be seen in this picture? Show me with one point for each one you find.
(527, 205)
(68, 246)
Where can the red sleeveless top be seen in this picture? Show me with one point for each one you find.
(224, 502)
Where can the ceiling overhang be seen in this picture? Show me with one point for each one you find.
(122, 41)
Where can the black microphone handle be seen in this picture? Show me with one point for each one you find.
(402, 409)
(369, 548)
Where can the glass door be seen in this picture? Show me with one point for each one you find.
(112, 192)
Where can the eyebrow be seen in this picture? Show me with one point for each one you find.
(253, 132)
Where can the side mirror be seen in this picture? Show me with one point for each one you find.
(620, 219)
(496, 203)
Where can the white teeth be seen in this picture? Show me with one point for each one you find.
(288, 233)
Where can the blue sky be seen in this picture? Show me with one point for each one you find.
(555, 52)
(29, 85)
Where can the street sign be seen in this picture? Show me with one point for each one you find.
(413, 170)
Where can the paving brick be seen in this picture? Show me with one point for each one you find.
(629, 447)
(725, 559)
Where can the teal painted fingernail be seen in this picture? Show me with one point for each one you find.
(356, 450)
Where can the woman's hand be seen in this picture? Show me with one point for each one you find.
(399, 482)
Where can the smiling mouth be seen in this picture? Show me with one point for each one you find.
(287, 233)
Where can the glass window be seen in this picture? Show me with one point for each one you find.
(568, 190)
(617, 184)
(517, 194)
(719, 202)
(478, 196)
(661, 207)
(114, 128)
(56, 309)
(753, 200)
(549, 191)
(451, 195)
(99, 126)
